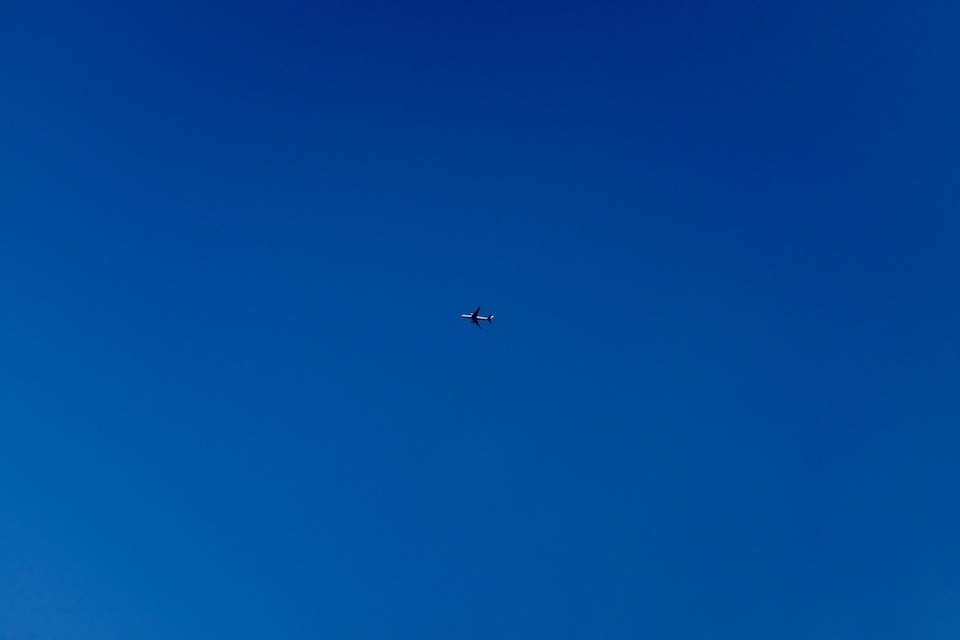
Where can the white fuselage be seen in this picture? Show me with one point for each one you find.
(475, 317)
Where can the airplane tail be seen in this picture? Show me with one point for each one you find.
(490, 318)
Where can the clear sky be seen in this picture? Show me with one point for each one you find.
(720, 398)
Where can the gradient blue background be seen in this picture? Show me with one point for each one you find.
(720, 399)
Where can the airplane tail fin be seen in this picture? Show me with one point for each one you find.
(490, 318)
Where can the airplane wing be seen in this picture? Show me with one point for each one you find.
(476, 322)
(476, 312)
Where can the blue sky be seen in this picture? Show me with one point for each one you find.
(720, 398)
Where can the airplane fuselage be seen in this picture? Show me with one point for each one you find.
(475, 317)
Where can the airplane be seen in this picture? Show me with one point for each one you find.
(475, 318)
